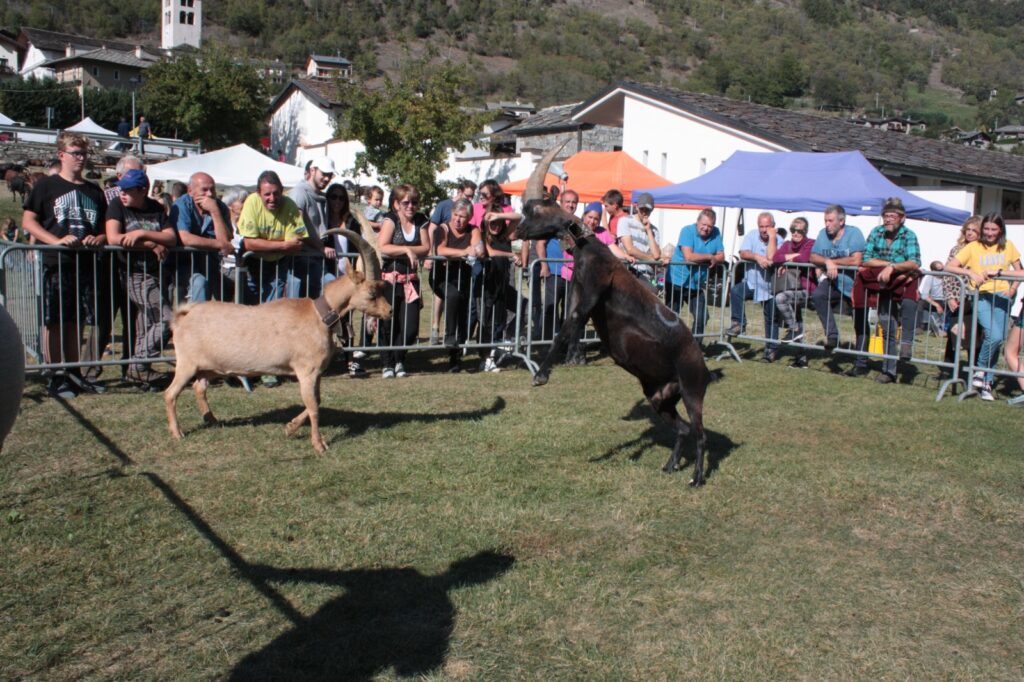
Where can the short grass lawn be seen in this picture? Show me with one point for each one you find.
(471, 527)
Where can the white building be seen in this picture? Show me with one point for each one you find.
(303, 115)
(182, 23)
(40, 47)
(681, 135)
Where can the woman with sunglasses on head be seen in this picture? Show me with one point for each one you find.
(458, 241)
(789, 303)
(403, 241)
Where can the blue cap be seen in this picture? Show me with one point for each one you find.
(133, 179)
(594, 206)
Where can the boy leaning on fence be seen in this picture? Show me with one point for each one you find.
(65, 209)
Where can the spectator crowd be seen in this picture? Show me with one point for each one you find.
(188, 244)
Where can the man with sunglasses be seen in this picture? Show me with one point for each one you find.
(65, 209)
(309, 196)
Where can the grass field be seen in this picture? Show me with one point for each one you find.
(471, 527)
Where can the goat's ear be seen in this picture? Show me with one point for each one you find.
(356, 276)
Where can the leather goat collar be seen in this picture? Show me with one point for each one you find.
(327, 314)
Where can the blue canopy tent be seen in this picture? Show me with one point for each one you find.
(800, 181)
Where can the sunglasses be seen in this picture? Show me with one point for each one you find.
(796, 231)
(408, 202)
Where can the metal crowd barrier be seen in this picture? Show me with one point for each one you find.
(490, 305)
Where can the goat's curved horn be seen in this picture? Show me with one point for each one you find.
(535, 185)
(371, 263)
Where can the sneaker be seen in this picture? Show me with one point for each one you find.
(831, 345)
(978, 380)
(856, 371)
(985, 393)
(734, 330)
(400, 371)
(1016, 402)
(269, 380)
(771, 355)
(799, 363)
(358, 354)
(83, 385)
(490, 365)
(433, 337)
(60, 387)
(356, 371)
(885, 378)
(387, 373)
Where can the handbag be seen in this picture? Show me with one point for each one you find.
(786, 279)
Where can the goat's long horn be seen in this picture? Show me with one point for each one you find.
(366, 251)
(535, 185)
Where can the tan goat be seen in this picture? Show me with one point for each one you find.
(288, 336)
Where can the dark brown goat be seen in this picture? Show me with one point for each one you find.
(640, 333)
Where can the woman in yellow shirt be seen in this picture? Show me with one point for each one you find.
(983, 262)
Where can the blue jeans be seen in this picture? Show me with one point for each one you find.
(697, 304)
(739, 293)
(993, 314)
(269, 281)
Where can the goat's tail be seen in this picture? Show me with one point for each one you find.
(180, 312)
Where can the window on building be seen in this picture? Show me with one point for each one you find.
(117, 75)
(664, 163)
(1011, 205)
(646, 155)
(191, 18)
(181, 17)
(96, 71)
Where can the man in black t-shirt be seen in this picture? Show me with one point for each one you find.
(64, 209)
(138, 223)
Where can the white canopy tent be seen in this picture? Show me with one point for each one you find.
(87, 126)
(239, 165)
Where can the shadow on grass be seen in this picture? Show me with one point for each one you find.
(388, 618)
(358, 423)
(659, 432)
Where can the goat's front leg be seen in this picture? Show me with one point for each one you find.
(575, 319)
(309, 386)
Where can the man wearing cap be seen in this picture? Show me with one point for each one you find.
(838, 245)
(700, 247)
(888, 278)
(138, 223)
(758, 249)
(203, 222)
(309, 196)
(639, 238)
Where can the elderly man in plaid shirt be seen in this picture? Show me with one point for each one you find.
(887, 278)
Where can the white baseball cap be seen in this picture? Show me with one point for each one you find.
(325, 164)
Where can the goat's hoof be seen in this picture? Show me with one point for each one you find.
(696, 481)
(321, 448)
(209, 418)
(177, 435)
(540, 379)
(290, 429)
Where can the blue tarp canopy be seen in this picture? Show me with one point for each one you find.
(800, 181)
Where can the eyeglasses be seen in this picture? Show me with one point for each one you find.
(408, 202)
(77, 153)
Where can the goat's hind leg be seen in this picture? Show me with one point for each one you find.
(664, 402)
(694, 402)
(202, 383)
(182, 375)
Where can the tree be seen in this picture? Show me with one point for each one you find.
(212, 98)
(408, 127)
(25, 100)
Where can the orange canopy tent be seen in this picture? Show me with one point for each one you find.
(591, 174)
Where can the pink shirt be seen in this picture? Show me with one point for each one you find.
(603, 236)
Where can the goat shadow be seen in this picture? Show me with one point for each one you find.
(358, 423)
(659, 432)
(388, 619)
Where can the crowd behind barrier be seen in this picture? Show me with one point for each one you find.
(122, 300)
